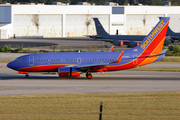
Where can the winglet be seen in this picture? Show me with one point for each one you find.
(118, 59)
(111, 49)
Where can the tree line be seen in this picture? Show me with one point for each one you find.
(97, 2)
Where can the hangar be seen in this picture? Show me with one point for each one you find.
(50, 21)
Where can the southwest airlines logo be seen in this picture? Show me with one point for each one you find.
(152, 35)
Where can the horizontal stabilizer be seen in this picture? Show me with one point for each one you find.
(163, 53)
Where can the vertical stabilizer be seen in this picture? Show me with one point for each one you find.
(153, 42)
(99, 28)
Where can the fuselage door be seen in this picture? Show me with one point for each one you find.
(78, 60)
(135, 59)
(31, 60)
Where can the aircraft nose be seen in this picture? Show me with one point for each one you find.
(10, 65)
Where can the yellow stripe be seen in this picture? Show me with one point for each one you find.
(4, 88)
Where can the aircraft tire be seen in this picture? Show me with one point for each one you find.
(26, 76)
(89, 75)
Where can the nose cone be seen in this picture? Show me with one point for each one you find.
(11, 65)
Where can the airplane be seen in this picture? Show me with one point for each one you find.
(120, 40)
(72, 64)
(174, 36)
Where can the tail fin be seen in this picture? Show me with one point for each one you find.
(99, 28)
(153, 42)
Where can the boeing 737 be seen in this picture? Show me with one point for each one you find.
(72, 64)
(120, 40)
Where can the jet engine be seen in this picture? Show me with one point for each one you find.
(118, 43)
(168, 40)
(68, 72)
(133, 44)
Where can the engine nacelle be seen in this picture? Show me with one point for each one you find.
(68, 72)
(118, 43)
(137, 43)
(133, 44)
(22, 72)
(168, 41)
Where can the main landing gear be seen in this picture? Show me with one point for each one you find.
(89, 75)
(27, 76)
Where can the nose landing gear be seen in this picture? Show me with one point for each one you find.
(89, 75)
(27, 76)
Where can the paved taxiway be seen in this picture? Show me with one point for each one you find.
(63, 43)
(113, 82)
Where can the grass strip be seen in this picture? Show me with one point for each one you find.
(170, 59)
(124, 106)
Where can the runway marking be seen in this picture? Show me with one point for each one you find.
(3, 66)
(105, 86)
(3, 88)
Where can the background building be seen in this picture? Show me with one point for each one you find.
(49, 21)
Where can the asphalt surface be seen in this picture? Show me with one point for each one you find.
(61, 43)
(114, 82)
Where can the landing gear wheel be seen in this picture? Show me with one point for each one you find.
(26, 76)
(89, 75)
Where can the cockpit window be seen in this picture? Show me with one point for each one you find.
(18, 60)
